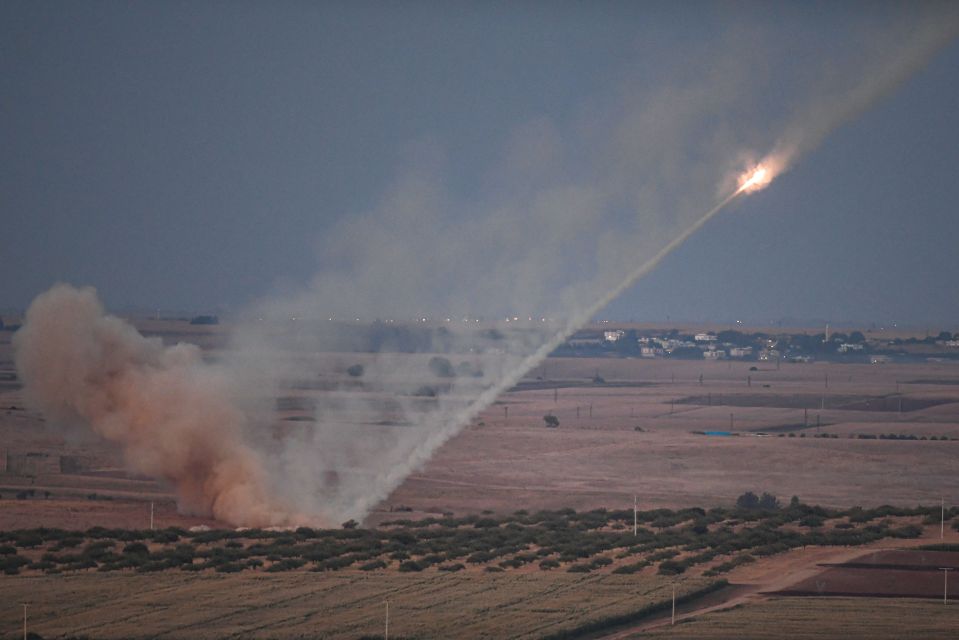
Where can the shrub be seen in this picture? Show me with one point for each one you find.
(229, 567)
(663, 555)
(410, 565)
(355, 370)
(548, 564)
(480, 557)
(811, 521)
(631, 568)
(671, 568)
(286, 565)
(452, 567)
(136, 548)
(426, 391)
(551, 420)
(166, 536)
(441, 367)
(907, 531)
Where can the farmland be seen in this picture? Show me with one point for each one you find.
(329, 605)
(820, 619)
(540, 575)
(514, 528)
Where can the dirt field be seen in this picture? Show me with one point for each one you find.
(598, 457)
(822, 619)
(633, 435)
(603, 460)
(328, 605)
(893, 574)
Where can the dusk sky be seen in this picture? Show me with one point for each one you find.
(193, 156)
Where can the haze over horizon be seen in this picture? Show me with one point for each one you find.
(192, 157)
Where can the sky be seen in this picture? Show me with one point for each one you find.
(202, 156)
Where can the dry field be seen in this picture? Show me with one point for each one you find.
(603, 460)
(598, 457)
(821, 619)
(325, 605)
(914, 574)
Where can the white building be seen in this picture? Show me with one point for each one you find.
(846, 347)
(705, 337)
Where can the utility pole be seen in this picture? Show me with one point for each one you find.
(590, 409)
(151, 515)
(945, 584)
(505, 412)
(635, 518)
(942, 518)
(25, 605)
(805, 416)
(386, 631)
(730, 422)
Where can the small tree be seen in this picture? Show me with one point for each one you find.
(441, 367)
(551, 420)
(748, 500)
(768, 502)
(355, 371)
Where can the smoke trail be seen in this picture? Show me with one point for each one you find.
(171, 413)
(919, 40)
(576, 207)
(807, 131)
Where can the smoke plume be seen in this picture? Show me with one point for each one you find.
(171, 413)
(574, 211)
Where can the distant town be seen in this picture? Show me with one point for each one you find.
(759, 346)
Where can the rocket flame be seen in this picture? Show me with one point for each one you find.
(755, 179)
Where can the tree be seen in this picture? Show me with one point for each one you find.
(856, 337)
(551, 420)
(768, 502)
(355, 371)
(748, 500)
(441, 367)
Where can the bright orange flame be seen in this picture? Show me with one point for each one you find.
(754, 180)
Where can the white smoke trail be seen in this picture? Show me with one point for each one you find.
(565, 229)
(807, 131)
